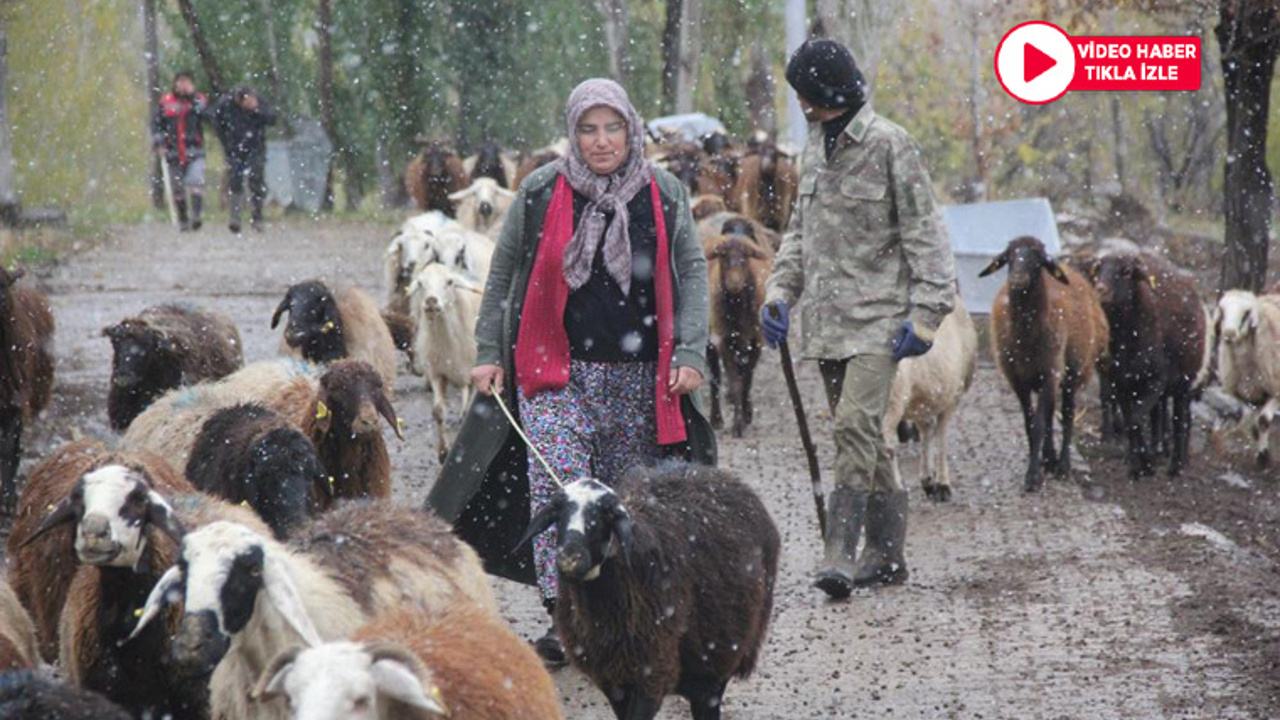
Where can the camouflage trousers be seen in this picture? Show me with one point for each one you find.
(858, 393)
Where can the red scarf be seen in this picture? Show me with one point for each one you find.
(542, 346)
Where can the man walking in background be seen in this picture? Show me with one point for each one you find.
(242, 119)
(178, 137)
(866, 247)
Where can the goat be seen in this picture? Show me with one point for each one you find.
(26, 373)
(737, 269)
(432, 175)
(326, 324)
(766, 186)
(490, 162)
(1157, 349)
(250, 454)
(665, 586)
(445, 304)
(704, 205)
(464, 663)
(483, 206)
(1047, 332)
(1248, 331)
(247, 598)
(926, 391)
(29, 695)
(19, 647)
(165, 347)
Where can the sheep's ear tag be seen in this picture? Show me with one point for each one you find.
(400, 424)
(1151, 280)
(328, 327)
(322, 410)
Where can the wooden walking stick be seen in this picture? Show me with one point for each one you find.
(815, 474)
(168, 191)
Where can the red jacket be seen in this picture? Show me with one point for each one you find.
(177, 126)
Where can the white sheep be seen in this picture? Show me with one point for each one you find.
(444, 305)
(483, 206)
(404, 254)
(926, 391)
(1248, 331)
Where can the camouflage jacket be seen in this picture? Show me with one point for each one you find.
(865, 248)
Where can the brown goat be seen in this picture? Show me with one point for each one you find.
(18, 645)
(1157, 352)
(1047, 331)
(26, 373)
(737, 270)
(42, 571)
(430, 177)
(766, 186)
(531, 163)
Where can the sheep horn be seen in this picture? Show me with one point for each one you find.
(271, 679)
(61, 514)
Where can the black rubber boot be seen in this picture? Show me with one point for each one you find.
(183, 223)
(845, 510)
(883, 561)
(548, 646)
(237, 203)
(197, 202)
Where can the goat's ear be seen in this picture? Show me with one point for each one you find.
(503, 192)
(388, 413)
(64, 512)
(270, 684)
(161, 515)
(156, 601)
(1251, 318)
(544, 519)
(622, 530)
(281, 308)
(1056, 272)
(1000, 261)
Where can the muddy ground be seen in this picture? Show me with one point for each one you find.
(1100, 598)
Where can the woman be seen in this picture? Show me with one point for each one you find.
(596, 303)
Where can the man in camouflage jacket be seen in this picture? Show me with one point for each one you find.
(866, 249)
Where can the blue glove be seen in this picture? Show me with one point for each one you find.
(775, 328)
(907, 344)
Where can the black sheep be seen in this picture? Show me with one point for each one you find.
(666, 587)
(26, 373)
(28, 695)
(248, 453)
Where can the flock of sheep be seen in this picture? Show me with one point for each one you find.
(235, 553)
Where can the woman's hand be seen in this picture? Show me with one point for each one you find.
(487, 378)
(682, 380)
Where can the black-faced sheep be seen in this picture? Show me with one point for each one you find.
(249, 453)
(165, 347)
(29, 695)
(1248, 331)
(1047, 331)
(26, 373)
(19, 647)
(1157, 350)
(464, 664)
(248, 598)
(434, 173)
(489, 161)
(666, 586)
(737, 270)
(328, 323)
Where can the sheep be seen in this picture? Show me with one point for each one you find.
(465, 664)
(19, 647)
(406, 253)
(431, 175)
(336, 407)
(328, 322)
(738, 268)
(28, 695)
(246, 597)
(1157, 347)
(445, 304)
(489, 161)
(26, 373)
(766, 186)
(705, 205)
(1047, 332)
(926, 391)
(483, 206)
(41, 548)
(164, 347)
(1248, 330)
(666, 585)
(249, 453)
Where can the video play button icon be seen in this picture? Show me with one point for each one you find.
(1035, 62)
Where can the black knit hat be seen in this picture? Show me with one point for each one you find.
(824, 73)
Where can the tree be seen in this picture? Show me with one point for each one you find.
(1248, 36)
(8, 182)
(616, 37)
(151, 54)
(690, 55)
(671, 53)
(323, 24)
(207, 60)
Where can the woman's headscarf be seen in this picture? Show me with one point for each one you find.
(604, 193)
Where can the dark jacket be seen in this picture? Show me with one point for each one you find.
(483, 488)
(178, 125)
(243, 133)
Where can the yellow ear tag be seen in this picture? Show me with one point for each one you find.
(244, 503)
(327, 327)
(400, 423)
(1151, 280)
(137, 613)
(322, 410)
(49, 507)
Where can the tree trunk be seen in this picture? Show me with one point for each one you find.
(8, 181)
(760, 92)
(1121, 145)
(690, 54)
(279, 99)
(207, 60)
(151, 55)
(616, 33)
(671, 54)
(327, 119)
(1247, 35)
(977, 108)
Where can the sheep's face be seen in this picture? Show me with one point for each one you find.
(315, 326)
(434, 291)
(287, 459)
(351, 399)
(135, 348)
(1025, 258)
(592, 528)
(735, 255)
(349, 681)
(1119, 281)
(112, 508)
(1237, 315)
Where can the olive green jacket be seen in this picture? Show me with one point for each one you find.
(865, 248)
(483, 487)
